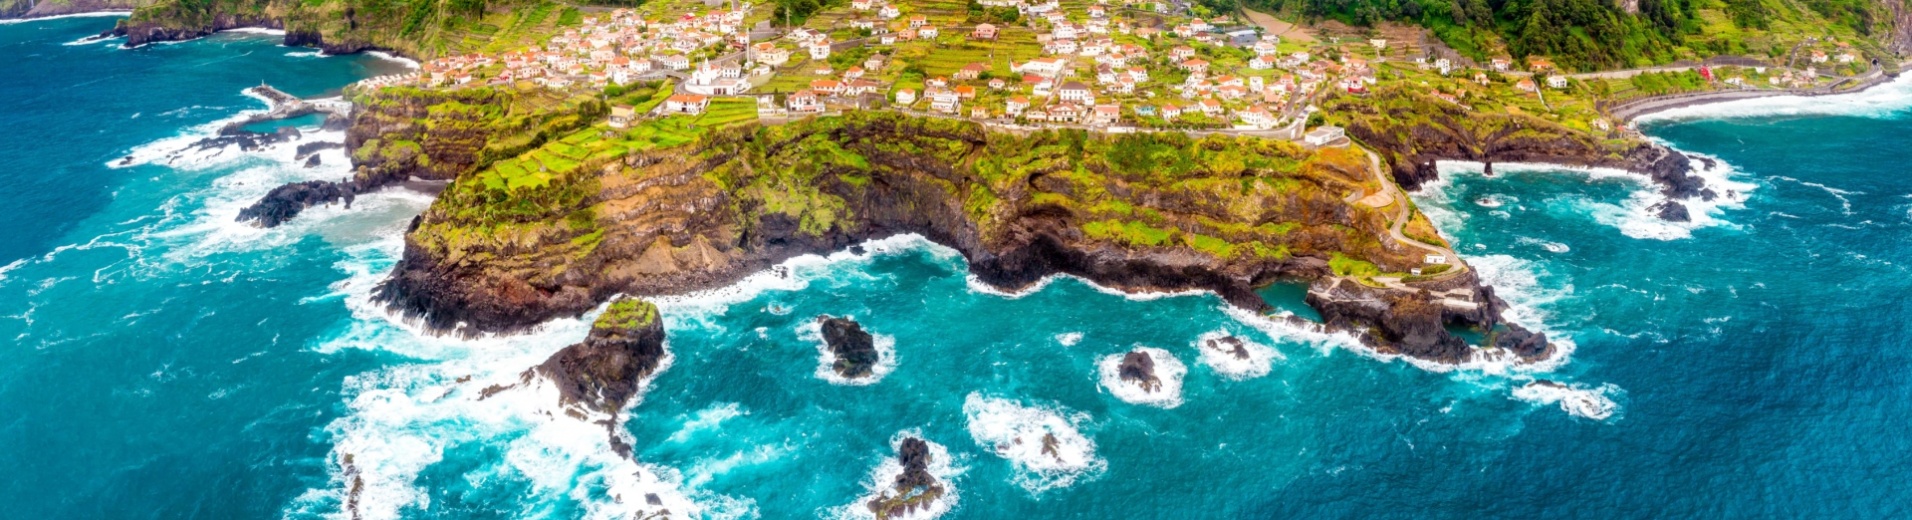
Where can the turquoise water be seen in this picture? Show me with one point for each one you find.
(166, 363)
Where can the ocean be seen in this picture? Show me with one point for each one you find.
(166, 362)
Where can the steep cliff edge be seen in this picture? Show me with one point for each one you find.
(1148, 212)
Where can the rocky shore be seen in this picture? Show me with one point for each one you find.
(1413, 134)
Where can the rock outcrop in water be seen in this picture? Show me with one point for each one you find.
(1230, 345)
(1139, 369)
(914, 489)
(855, 350)
(1414, 322)
(609, 368)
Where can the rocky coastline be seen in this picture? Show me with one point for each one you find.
(696, 245)
(1414, 133)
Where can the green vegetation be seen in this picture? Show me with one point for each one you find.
(627, 314)
(1602, 34)
(1344, 265)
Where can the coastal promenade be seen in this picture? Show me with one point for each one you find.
(1629, 110)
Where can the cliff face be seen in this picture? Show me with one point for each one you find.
(1143, 212)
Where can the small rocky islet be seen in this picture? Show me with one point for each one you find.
(913, 489)
(854, 349)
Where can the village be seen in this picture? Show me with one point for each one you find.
(1116, 66)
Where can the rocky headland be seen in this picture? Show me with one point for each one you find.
(1151, 212)
(1412, 132)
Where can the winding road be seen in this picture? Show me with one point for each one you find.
(1402, 214)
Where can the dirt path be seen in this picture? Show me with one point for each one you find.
(1287, 31)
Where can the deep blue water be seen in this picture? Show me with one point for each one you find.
(163, 362)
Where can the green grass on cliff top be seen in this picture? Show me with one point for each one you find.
(627, 314)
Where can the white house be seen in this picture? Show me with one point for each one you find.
(686, 104)
(1322, 135)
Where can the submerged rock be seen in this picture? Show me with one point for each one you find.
(1230, 345)
(307, 149)
(1137, 367)
(855, 350)
(283, 202)
(915, 488)
(1671, 211)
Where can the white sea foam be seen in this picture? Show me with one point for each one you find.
(1221, 357)
(1015, 431)
(408, 62)
(92, 40)
(305, 54)
(1890, 99)
(1634, 217)
(1067, 339)
(256, 30)
(882, 480)
(794, 274)
(404, 419)
(1551, 247)
(1589, 403)
(812, 330)
(1168, 371)
(4, 269)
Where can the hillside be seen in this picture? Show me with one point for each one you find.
(1583, 35)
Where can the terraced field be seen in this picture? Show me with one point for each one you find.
(601, 144)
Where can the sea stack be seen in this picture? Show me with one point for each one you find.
(913, 489)
(605, 371)
(1138, 368)
(855, 349)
